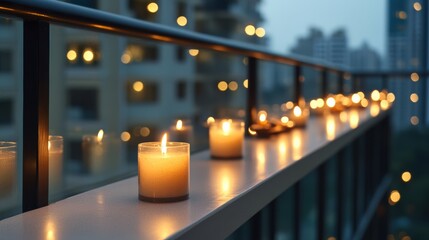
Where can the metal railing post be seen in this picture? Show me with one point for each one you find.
(298, 83)
(252, 93)
(324, 76)
(321, 203)
(36, 115)
(340, 82)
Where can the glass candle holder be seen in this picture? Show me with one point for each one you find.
(55, 147)
(226, 139)
(7, 169)
(163, 171)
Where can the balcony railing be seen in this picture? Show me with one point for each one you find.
(261, 178)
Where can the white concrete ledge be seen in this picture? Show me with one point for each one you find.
(223, 194)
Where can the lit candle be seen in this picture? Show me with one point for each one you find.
(163, 171)
(181, 132)
(299, 116)
(262, 128)
(226, 139)
(93, 152)
(55, 147)
(7, 171)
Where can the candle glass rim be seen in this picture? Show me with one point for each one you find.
(234, 122)
(5, 145)
(53, 138)
(156, 145)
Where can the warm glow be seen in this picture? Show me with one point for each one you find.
(152, 7)
(320, 102)
(395, 196)
(390, 97)
(330, 102)
(50, 230)
(262, 115)
(414, 120)
(375, 95)
(125, 136)
(406, 176)
(364, 103)
(226, 127)
(284, 119)
(384, 104)
(361, 95)
(164, 144)
(246, 83)
(313, 104)
(100, 135)
(222, 86)
(374, 110)
(402, 15)
(144, 131)
(179, 124)
(355, 98)
(343, 116)
(260, 32)
(126, 58)
(210, 120)
(251, 131)
(289, 105)
(233, 86)
(414, 97)
(250, 30)
(417, 6)
(193, 52)
(71, 55)
(138, 86)
(182, 21)
(88, 55)
(415, 77)
(330, 127)
(296, 145)
(297, 111)
(290, 124)
(354, 119)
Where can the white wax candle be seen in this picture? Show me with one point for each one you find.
(299, 116)
(55, 147)
(93, 153)
(226, 139)
(163, 171)
(181, 132)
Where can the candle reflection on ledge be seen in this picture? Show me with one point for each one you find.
(50, 230)
(354, 119)
(296, 145)
(330, 127)
(261, 159)
(374, 110)
(282, 151)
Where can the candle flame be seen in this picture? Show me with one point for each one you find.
(179, 125)
(226, 126)
(49, 145)
(210, 120)
(262, 116)
(100, 135)
(330, 102)
(297, 111)
(284, 119)
(164, 144)
(356, 98)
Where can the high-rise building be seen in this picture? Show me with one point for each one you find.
(364, 58)
(405, 52)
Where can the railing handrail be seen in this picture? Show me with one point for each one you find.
(77, 16)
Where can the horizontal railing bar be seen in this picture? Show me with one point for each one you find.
(81, 17)
(389, 73)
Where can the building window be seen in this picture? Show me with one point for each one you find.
(180, 53)
(6, 112)
(5, 61)
(144, 9)
(142, 92)
(83, 54)
(181, 90)
(84, 3)
(138, 52)
(82, 104)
